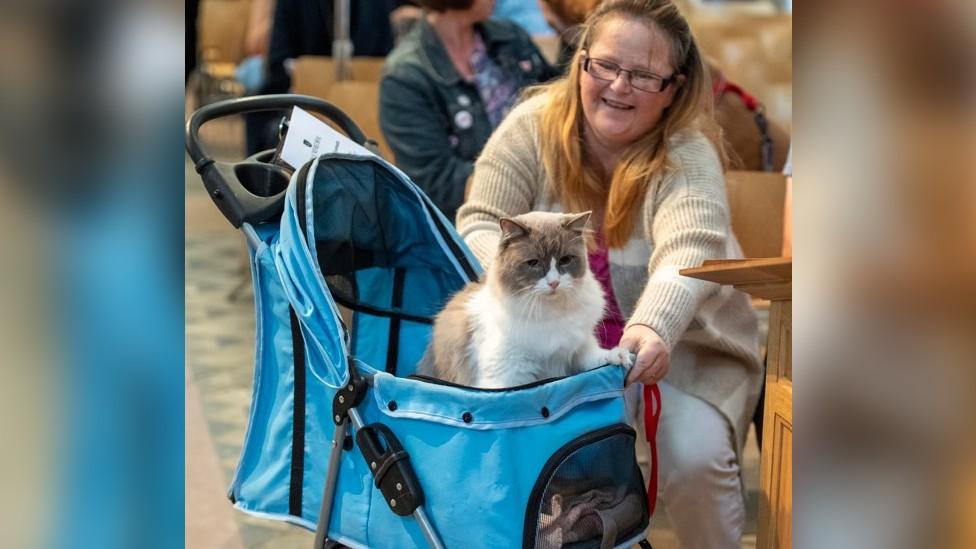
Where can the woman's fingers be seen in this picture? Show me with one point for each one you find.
(657, 370)
(645, 360)
(652, 363)
(630, 342)
(653, 356)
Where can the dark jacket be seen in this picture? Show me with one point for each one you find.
(435, 122)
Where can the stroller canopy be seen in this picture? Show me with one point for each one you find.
(357, 232)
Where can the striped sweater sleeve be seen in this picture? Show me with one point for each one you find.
(687, 219)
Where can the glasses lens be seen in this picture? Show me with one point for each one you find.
(603, 70)
(646, 82)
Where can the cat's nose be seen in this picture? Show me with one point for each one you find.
(554, 284)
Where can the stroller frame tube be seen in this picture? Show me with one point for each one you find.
(332, 476)
(427, 528)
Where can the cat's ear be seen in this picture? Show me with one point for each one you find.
(577, 222)
(511, 229)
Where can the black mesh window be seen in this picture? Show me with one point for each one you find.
(590, 494)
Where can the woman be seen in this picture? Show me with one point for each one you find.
(624, 134)
(445, 88)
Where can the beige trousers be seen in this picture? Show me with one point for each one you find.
(699, 484)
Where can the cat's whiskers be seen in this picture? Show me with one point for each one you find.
(529, 309)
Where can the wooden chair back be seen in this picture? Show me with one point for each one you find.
(222, 25)
(756, 201)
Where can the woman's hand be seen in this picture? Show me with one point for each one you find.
(653, 355)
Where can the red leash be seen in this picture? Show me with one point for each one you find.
(652, 414)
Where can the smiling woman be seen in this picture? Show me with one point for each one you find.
(616, 112)
(628, 134)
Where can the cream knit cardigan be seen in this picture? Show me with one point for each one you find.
(710, 329)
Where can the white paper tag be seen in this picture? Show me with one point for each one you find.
(308, 137)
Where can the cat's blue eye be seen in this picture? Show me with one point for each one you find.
(532, 263)
(566, 260)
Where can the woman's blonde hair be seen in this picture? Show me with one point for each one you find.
(574, 176)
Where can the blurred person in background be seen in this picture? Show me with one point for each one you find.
(447, 86)
(251, 71)
(627, 134)
(524, 13)
(306, 27)
(566, 17)
(403, 19)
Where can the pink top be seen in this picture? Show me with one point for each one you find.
(611, 327)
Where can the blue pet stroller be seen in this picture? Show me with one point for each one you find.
(343, 438)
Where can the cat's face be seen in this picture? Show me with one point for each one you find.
(542, 254)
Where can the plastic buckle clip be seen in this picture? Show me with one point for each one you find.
(390, 465)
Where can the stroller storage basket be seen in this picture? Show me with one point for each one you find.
(334, 403)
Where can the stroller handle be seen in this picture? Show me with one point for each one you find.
(230, 185)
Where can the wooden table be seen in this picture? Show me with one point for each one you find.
(770, 279)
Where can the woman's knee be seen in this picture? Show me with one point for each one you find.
(698, 460)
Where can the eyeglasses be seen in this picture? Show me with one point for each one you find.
(639, 80)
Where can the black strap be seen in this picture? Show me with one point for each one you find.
(765, 139)
(375, 311)
(298, 419)
(393, 342)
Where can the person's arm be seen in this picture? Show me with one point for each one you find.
(689, 225)
(418, 137)
(259, 22)
(505, 183)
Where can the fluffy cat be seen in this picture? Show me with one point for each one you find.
(531, 317)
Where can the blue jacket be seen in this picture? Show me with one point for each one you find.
(434, 121)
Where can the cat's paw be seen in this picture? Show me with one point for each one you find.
(619, 356)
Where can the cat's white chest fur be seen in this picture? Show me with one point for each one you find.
(517, 341)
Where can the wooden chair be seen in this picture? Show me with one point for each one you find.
(367, 69)
(313, 74)
(361, 101)
(222, 25)
(756, 202)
